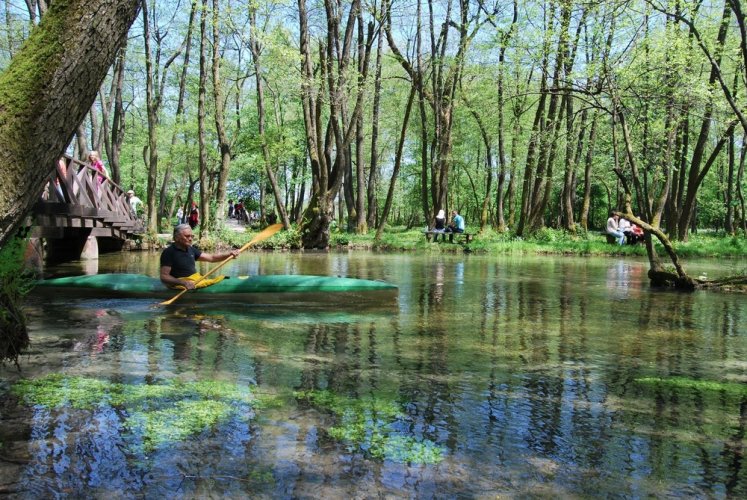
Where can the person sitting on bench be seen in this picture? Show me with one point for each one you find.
(440, 225)
(613, 228)
(457, 225)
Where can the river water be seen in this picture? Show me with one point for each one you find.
(483, 376)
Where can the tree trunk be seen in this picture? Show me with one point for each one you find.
(361, 226)
(740, 176)
(152, 106)
(201, 127)
(179, 115)
(116, 131)
(488, 167)
(373, 173)
(588, 162)
(254, 44)
(694, 177)
(502, 172)
(444, 76)
(329, 127)
(224, 145)
(397, 163)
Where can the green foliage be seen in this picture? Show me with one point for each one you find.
(159, 413)
(337, 239)
(283, 240)
(712, 245)
(15, 283)
(366, 424)
(658, 67)
(16, 280)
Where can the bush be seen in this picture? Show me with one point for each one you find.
(15, 283)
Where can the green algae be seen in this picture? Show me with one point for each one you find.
(366, 424)
(159, 413)
(177, 423)
(57, 391)
(729, 388)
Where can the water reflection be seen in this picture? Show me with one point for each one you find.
(529, 374)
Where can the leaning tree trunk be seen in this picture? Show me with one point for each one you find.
(46, 92)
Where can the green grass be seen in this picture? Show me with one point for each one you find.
(544, 241)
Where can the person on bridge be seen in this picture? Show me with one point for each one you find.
(96, 164)
(134, 201)
(61, 174)
(178, 268)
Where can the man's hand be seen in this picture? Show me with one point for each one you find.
(188, 284)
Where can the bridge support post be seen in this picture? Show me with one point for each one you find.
(90, 249)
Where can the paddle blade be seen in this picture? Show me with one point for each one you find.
(173, 299)
(263, 235)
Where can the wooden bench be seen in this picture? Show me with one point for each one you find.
(461, 237)
(612, 240)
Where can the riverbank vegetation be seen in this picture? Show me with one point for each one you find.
(707, 244)
(528, 116)
(375, 114)
(15, 282)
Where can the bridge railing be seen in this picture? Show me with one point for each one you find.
(88, 193)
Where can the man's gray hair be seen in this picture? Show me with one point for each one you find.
(179, 228)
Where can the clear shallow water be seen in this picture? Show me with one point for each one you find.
(527, 375)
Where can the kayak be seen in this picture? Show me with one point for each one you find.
(243, 288)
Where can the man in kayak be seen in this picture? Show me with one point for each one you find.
(178, 269)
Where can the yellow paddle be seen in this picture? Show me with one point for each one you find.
(269, 231)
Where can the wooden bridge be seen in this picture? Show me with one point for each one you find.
(81, 212)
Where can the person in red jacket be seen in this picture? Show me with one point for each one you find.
(194, 216)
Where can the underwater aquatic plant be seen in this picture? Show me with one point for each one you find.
(367, 424)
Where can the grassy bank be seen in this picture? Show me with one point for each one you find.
(546, 241)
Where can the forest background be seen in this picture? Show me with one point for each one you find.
(520, 116)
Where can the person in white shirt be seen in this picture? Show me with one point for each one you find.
(626, 227)
(134, 201)
(613, 228)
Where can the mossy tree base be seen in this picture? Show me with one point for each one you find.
(316, 222)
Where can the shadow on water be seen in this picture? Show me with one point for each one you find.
(488, 376)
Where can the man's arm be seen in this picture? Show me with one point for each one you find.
(170, 281)
(216, 257)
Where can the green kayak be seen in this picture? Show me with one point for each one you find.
(242, 288)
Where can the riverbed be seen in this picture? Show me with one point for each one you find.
(484, 376)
